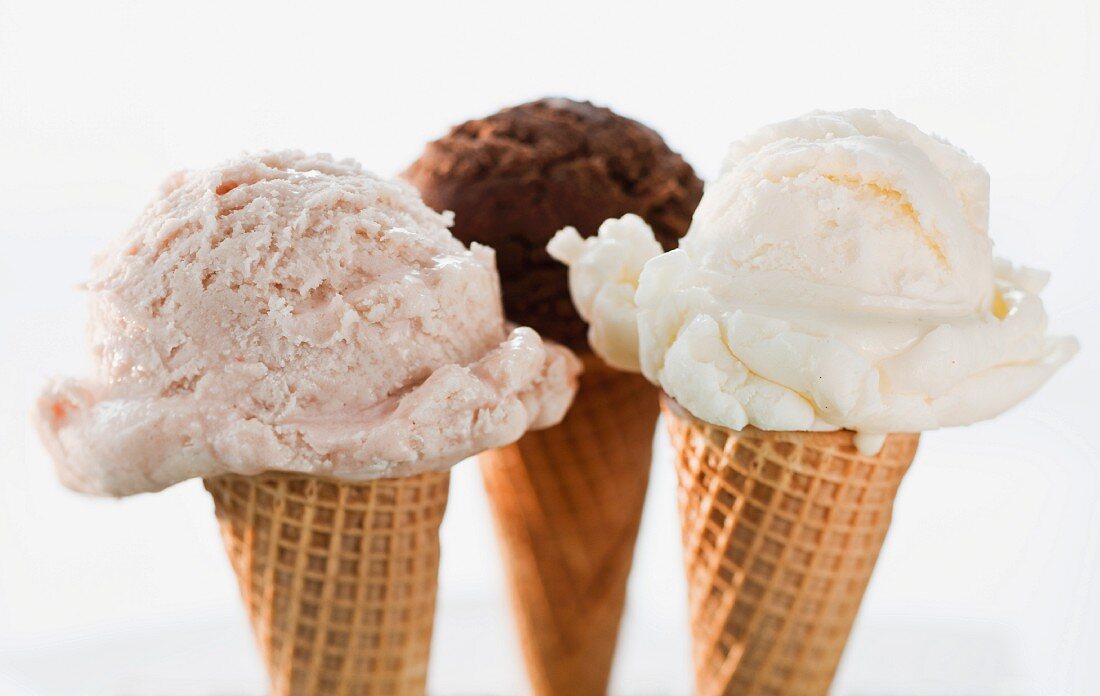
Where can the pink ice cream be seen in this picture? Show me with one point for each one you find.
(294, 313)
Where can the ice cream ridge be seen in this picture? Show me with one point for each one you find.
(313, 342)
(835, 296)
(567, 500)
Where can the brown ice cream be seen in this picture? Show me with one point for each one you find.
(567, 502)
(518, 176)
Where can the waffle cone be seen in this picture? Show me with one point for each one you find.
(781, 531)
(567, 502)
(339, 578)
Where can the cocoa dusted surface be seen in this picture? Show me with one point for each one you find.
(515, 178)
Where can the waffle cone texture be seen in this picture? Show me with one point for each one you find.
(567, 502)
(339, 579)
(781, 531)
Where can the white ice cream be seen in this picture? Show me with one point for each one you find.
(837, 274)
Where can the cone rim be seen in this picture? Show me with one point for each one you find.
(670, 405)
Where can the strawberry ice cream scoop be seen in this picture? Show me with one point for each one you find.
(294, 313)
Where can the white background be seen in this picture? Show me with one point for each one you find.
(989, 581)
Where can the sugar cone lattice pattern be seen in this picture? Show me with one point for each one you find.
(339, 579)
(567, 503)
(781, 531)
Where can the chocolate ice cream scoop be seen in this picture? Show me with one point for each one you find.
(514, 178)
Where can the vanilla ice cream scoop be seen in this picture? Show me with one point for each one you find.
(295, 313)
(837, 274)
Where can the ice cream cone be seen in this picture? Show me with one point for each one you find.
(339, 578)
(781, 531)
(567, 503)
